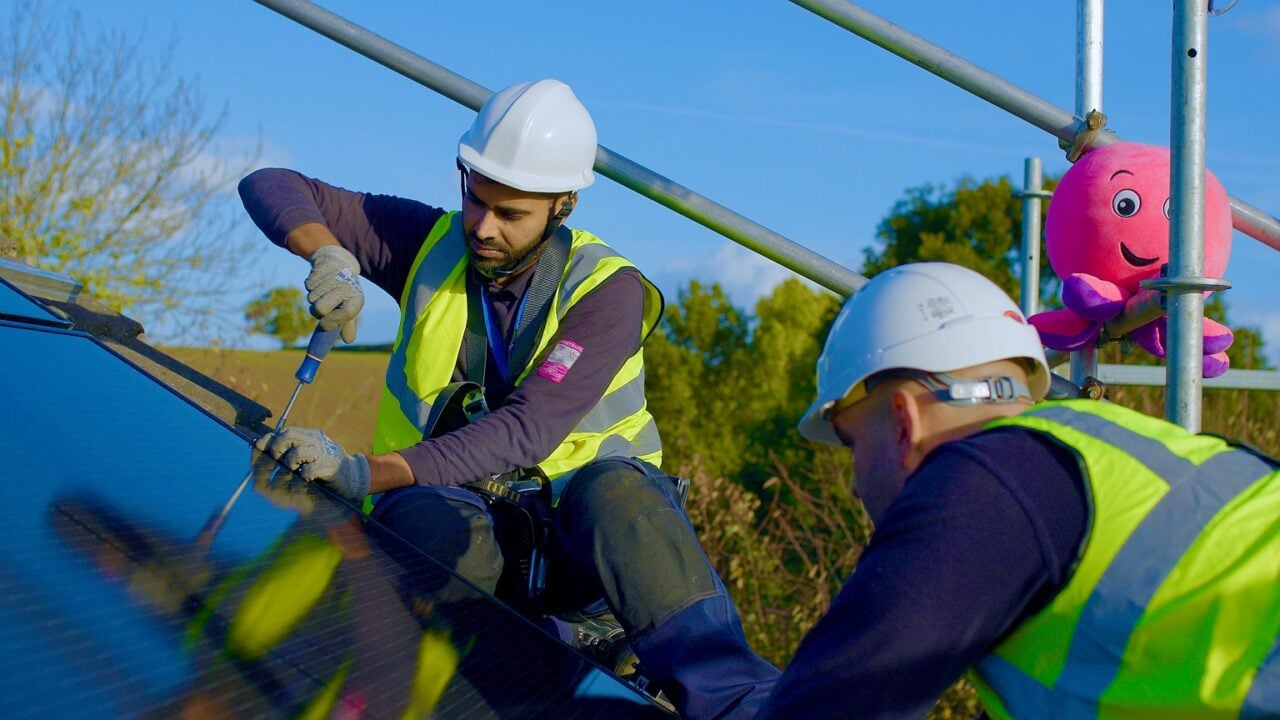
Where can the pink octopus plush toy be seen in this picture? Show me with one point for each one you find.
(1108, 230)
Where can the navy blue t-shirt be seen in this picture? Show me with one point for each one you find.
(984, 534)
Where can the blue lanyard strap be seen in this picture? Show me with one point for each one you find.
(501, 350)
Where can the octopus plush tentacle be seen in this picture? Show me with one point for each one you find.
(1152, 337)
(1064, 330)
(1092, 297)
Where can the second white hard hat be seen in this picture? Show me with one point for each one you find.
(935, 317)
(533, 136)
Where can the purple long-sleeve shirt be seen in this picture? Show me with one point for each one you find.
(528, 422)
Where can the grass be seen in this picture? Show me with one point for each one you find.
(343, 400)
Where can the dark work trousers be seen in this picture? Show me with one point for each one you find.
(621, 535)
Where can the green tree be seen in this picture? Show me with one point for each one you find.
(1248, 349)
(281, 313)
(790, 326)
(727, 387)
(976, 224)
(694, 380)
(108, 171)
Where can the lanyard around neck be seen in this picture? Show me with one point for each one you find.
(501, 350)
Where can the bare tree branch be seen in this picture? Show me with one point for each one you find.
(109, 172)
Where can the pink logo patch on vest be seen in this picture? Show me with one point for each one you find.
(562, 357)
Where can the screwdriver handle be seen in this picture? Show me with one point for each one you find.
(321, 343)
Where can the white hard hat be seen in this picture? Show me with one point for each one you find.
(535, 137)
(934, 317)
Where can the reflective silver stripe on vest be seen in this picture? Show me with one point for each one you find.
(621, 403)
(626, 400)
(1024, 696)
(1263, 700)
(613, 446)
(1196, 495)
(1151, 453)
(434, 269)
(617, 446)
(584, 260)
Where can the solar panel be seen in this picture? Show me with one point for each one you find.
(14, 305)
(125, 591)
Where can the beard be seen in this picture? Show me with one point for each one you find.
(504, 262)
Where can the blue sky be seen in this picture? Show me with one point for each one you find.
(760, 106)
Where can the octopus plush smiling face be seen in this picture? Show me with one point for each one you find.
(1110, 217)
(1107, 230)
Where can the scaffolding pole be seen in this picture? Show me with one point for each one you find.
(1088, 57)
(1185, 283)
(627, 173)
(1084, 362)
(1032, 195)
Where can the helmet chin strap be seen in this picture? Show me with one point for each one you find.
(535, 252)
(995, 390)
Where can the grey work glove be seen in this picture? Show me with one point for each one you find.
(279, 486)
(316, 458)
(334, 290)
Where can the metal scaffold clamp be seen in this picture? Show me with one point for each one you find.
(1214, 10)
(1093, 389)
(1086, 133)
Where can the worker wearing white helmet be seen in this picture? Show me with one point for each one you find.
(1076, 558)
(550, 322)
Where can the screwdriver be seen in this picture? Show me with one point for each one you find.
(321, 343)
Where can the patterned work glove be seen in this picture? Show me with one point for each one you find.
(334, 290)
(316, 458)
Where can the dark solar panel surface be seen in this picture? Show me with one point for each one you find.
(16, 306)
(116, 601)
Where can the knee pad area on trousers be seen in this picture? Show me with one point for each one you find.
(456, 532)
(626, 523)
(609, 489)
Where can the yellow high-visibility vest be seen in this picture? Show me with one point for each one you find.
(1173, 606)
(433, 321)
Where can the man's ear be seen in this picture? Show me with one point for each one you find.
(909, 428)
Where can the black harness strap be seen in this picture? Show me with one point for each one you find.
(537, 299)
(459, 404)
(523, 495)
(475, 341)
